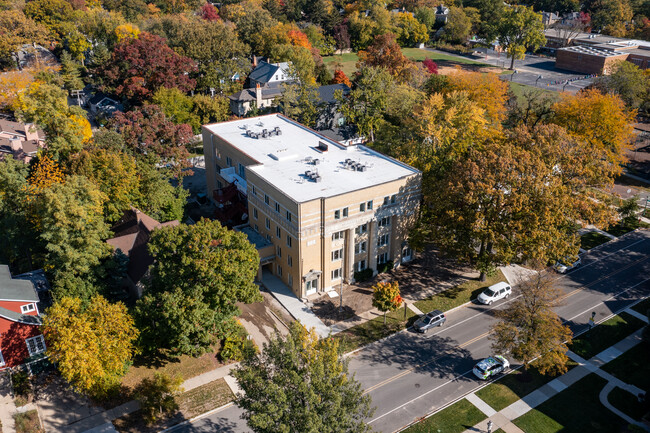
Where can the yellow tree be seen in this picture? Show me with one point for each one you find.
(91, 345)
(45, 173)
(490, 93)
(386, 297)
(126, 31)
(12, 83)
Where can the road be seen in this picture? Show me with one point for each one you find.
(410, 375)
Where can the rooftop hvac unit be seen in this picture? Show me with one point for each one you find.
(323, 147)
(316, 161)
(277, 130)
(317, 179)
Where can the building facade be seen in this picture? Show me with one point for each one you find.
(329, 210)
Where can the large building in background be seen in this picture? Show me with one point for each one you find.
(328, 210)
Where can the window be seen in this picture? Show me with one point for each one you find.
(393, 199)
(35, 345)
(337, 274)
(338, 235)
(279, 270)
(268, 224)
(27, 308)
(290, 281)
(386, 200)
(278, 232)
(228, 161)
(345, 212)
(360, 265)
(288, 216)
(219, 184)
(253, 190)
(255, 213)
(382, 240)
(268, 238)
(363, 228)
(337, 214)
(337, 255)
(362, 207)
(242, 171)
(279, 251)
(290, 261)
(266, 199)
(360, 247)
(289, 241)
(311, 286)
(277, 207)
(257, 229)
(369, 205)
(384, 222)
(382, 258)
(2, 360)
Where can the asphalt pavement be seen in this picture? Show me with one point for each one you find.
(410, 375)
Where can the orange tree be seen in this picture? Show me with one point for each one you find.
(386, 297)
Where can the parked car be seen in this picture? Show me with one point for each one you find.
(490, 367)
(494, 293)
(566, 264)
(430, 320)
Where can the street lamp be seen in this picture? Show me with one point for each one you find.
(566, 83)
(513, 74)
(539, 77)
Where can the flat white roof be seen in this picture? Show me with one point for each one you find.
(285, 158)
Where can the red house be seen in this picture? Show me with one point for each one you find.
(20, 333)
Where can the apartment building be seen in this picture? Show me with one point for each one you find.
(329, 210)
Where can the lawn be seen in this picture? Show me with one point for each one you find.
(28, 422)
(419, 55)
(184, 366)
(458, 295)
(620, 228)
(576, 409)
(374, 330)
(642, 307)
(204, 398)
(632, 367)
(348, 62)
(627, 403)
(514, 386)
(591, 240)
(455, 419)
(606, 334)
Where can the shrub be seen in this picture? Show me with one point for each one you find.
(22, 387)
(157, 396)
(385, 267)
(364, 275)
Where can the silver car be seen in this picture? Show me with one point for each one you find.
(565, 265)
(430, 320)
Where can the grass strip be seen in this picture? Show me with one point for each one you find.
(458, 295)
(606, 334)
(457, 418)
(627, 403)
(576, 409)
(204, 398)
(374, 330)
(632, 366)
(592, 239)
(514, 386)
(28, 422)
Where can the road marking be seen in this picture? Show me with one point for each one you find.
(467, 343)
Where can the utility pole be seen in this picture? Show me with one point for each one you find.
(77, 94)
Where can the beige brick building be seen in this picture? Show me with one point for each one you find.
(327, 209)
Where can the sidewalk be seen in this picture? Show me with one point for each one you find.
(503, 419)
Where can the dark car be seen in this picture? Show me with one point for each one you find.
(430, 320)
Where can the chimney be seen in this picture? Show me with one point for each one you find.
(254, 61)
(258, 95)
(16, 144)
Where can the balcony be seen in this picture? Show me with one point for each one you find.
(229, 174)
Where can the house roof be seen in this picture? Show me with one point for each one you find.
(326, 93)
(18, 317)
(12, 289)
(265, 71)
(132, 233)
(268, 92)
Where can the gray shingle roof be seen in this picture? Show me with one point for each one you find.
(22, 318)
(265, 71)
(326, 93)
(12, 289)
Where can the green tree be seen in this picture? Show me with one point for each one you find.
(386, 297)
(427, 16)
(410, 31)
(458, 26)
(301, 102)
(211, 109)
(158, 198)
(219, 266)
(301, 384)
(611, 16)
(365, 106)
(630, 83)
(519, 29)
(91, 345)
(18, 237)
(73, 232)
(530, 331)
(157, 395)
(71, 73)
(628, 211)
(55, 15)
(178, 107)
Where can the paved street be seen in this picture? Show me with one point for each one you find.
(409, 375)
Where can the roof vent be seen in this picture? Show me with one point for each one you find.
(322, 146)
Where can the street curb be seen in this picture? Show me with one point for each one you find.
(191, 420)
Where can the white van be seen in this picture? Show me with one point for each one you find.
(494, 293)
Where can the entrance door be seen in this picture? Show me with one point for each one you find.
(311, 287)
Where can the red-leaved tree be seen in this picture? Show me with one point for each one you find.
(431, 66)
(139, 67)
(209, 13)
(150, 135)
(341, 78)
